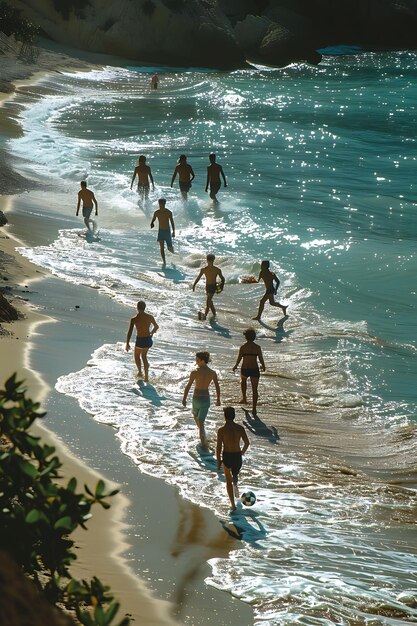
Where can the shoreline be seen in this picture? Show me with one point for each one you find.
(106, 527)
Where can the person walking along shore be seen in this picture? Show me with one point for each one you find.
(146, 327)
(250, 353)
(229, 453)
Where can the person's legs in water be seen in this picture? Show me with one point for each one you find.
(273, 303)
(254, 382)
(261, 307)
(138, 361)
(145, 361)
(243, 386)
(162, 250)
(209, 305)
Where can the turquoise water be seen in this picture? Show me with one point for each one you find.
(320, 164)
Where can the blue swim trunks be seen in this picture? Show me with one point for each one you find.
(144, 342)
(164, 234)
(201, 405)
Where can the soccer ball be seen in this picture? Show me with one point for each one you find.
(248, 498)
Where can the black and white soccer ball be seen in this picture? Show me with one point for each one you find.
(248, 498)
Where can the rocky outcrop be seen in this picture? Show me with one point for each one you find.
(7, 312)
(3, 219)
(175, 32)
(223, 33)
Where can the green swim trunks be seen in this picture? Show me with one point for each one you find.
(201, 405)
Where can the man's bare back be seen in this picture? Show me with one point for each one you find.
(142, 323)
(87, 197)
(164, 217)
(211, 272)
(202, 377)
(231, 434)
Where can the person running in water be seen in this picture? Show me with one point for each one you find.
(272, 283)
(144, 174)
(185, 176)
(166, 222)
(143, 323)
(249, 354)
(202, 377)
(229, 453)
(214, 171)
(87, 197)
(211, 273)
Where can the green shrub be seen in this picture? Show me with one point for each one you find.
(38, 514)
(11, 23)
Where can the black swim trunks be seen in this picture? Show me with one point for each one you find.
(214, 188)
(233, 462)
(250, 372)
(185, 186)
(211, 288)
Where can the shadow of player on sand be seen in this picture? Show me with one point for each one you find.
(206, 460)
(259, 428)
(240, 528)
(221, 330)
(172, 273)
(148, 391)
(279, 330)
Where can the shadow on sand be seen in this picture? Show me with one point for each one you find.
(240, 528)
(148, 391)
(279, 331)
(259, 428)
(221, 330)
(172, 273)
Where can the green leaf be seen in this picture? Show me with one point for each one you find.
(72, 485)
(64, 522)
(111, 611)
(27, 468)
(100, 489)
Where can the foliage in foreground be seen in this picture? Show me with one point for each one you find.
(38, 514)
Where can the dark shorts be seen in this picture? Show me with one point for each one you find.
(270, 291)
(87, 211)
(144, 342)
(233, 462)
(215, 188)
(211, 289)
(164, 234)
(250, 372)
(185, 186)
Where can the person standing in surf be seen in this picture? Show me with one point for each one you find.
(272, 283)
(250, 353)
(201, 378)
(214, 171)
(144, 174)
(166, 222)
(155, 81)
(229, 453)
(185, 176)
(146, 327)
(211, 273)
(87, 197)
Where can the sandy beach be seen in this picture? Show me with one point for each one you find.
(156, 545)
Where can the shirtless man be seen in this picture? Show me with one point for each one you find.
(250, 353)
(201, 377)
(87, 197)
(154, 81)
(229, 453)
(144, 174)
(214, 171)
(211, 272)
(142, 322)
(166, 222)
(185, 176)
(272, 282)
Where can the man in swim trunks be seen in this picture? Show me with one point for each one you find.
(214, 171)
(272, 283)
(202, 377)
(166, 221)
(154, 81)
(144, 174)
(87, 197)
(185, 176)
(211, 272)
(229, 452)
(249, 354)
(143, 323)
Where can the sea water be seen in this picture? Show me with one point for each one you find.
(320, 163)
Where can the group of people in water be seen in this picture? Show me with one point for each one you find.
(230, 436)
(185, 174)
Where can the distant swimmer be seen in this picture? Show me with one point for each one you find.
(250, 353)
(166, 222)
(211, 273)
(185, 176)
(214, 171)
(144, 174)
(87, 197)
(201, 378)
(229, 453)
(143, 322)
(272, 283)
(155, 81)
